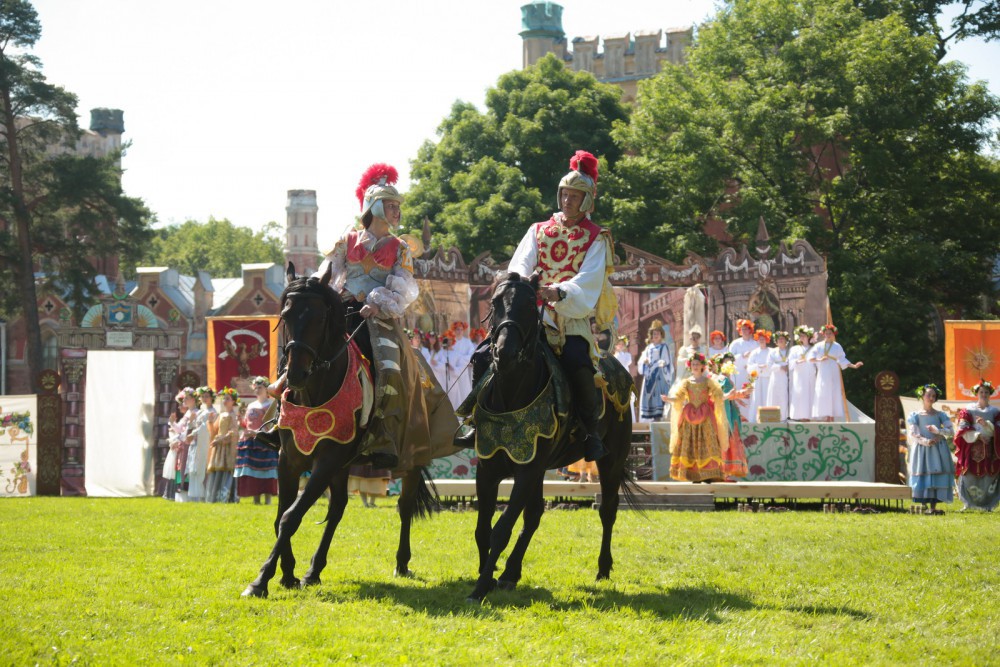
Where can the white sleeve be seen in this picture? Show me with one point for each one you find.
(401, 287)
(525, 257)
(338, 258)
(583, 289)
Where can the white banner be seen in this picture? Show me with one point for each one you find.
(18, 445)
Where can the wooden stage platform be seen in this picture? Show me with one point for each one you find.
(847, 492)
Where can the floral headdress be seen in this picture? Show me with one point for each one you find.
(984, 383)
(231, 393)
(723, 363)
(715, 334)
(458, 325)
(929, 387)
(623, 339)
(803, 329)
(184, 393)
(201, 391)
(697, 356)
(781, 334)
(260, 381)
(830, 327)
(762, 333)
(655, 325)
(744, 323)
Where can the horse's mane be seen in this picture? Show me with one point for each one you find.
(311, 285)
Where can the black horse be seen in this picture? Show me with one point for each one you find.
(523, 370)
(318, 359)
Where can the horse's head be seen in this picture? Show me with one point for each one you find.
(315, 320)
(514, 320)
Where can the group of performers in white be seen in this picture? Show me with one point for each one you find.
(801, 378)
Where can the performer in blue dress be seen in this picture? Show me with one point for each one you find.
(932, 472)
(657, 370)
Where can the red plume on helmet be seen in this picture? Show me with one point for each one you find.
(585, 163)
(373, 176)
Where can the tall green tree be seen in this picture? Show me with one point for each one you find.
(492, 173)
(57, 210)
(842, 129)
(217, 246)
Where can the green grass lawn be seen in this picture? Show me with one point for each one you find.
(144, 581)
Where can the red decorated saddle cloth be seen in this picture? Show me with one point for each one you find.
(336, 419)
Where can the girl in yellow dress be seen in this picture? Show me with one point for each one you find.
(699, 431)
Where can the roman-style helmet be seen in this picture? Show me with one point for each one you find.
(583, 177)
(377, 184)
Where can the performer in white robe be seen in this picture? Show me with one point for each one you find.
(694, 346)
(459, 356)
(741, 349)
(777, 385)
(716, 344)
(829, 399)
(759, 362)
(801, 376)
(197, 461)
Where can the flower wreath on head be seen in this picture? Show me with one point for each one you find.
(745, 323)
(697, 356)
(260, 381)
(930, 386)
(717, 334)
(830, 327)
(201, 391)
(781, 334)
(184, 393)
(458, 325)
(231, 393)
(762, 333)
(804, 329)
(984, 383)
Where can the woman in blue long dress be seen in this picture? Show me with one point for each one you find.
(657, 370)
(932, 472)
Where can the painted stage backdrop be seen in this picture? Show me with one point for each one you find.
(18, 445)
(971, 348)
(792, 451)
(241, 348)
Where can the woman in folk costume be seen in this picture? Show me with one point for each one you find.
(777, 385)
(759, 362)
(699, 430)
(373, 270)
(932, 472)
(179, 438)
(693, 346)
(256, 465)
(205, 429)
(459, 356)
(977, 450)
(734, 456)
(801, 375)
(741, 349)
(829, 400)
(657, 370)
(222, 449)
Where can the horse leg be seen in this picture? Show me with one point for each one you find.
(500, 536)
(486, 494)
(612, 470)
(289, 522)
(288, 489)
(334, 513)
(533, 509)
(407, 505)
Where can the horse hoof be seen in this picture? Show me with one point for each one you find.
(290, 583)
(406, 573)
(254, 592)
(506, 585)
(603, 576)
(309, 581)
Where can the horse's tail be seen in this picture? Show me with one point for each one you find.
(427, 502)
(631, 490)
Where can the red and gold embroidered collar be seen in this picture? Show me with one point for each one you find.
(334, 420)
(383, 256)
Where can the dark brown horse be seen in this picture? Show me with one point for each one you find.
(318, 357)
(521, 374)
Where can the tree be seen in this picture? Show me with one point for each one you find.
(492, 174)
(57, 210)
(217, 246)
(844, 130)
(975, 18)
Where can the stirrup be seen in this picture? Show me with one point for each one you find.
(270, 439)
(465, 436)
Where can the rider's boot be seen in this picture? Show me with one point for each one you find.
(586, 397)
(465, 436)
(269, 438)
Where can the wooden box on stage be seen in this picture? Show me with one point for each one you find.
(768, 414)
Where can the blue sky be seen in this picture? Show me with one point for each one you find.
(230, 103)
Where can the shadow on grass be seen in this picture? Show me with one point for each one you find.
(701, 604)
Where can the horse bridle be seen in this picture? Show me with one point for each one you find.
(315, 363)
(529, 343)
